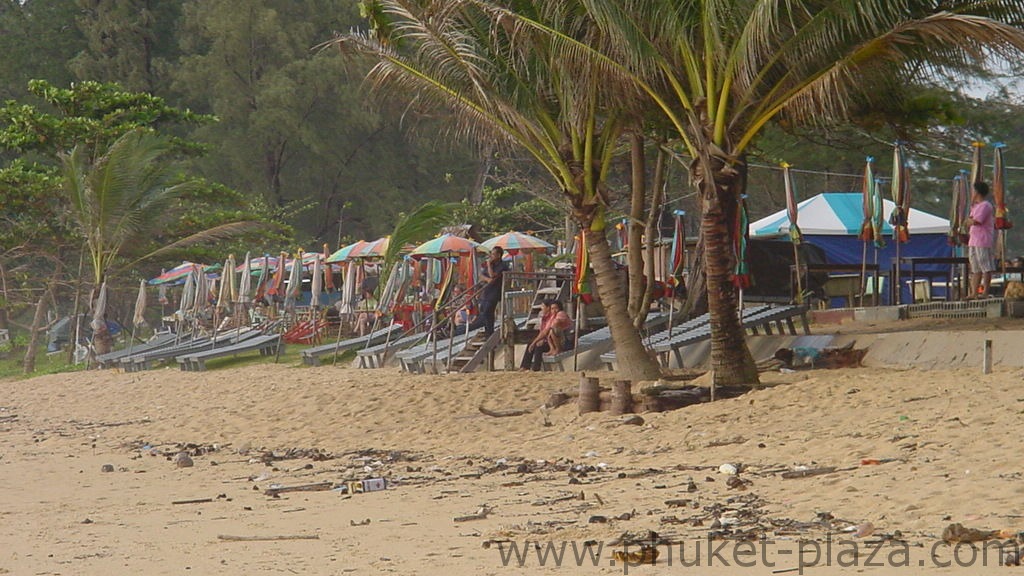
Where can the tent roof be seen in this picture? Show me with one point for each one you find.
(841, 214)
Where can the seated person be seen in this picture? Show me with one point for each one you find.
(552, 338)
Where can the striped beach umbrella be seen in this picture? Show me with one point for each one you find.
(346, 252)
(513, 242)
(900, 190)
(445, 245)
(177, 274)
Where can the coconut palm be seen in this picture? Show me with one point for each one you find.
(529, 96)
(721, 70)
(124, 195)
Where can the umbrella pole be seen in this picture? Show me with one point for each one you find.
(864, 272)
(799, 279)
(337, 343)
(576, 336)
(899, 265)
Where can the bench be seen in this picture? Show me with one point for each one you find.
(265, 344)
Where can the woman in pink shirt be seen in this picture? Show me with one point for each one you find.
(979, 246)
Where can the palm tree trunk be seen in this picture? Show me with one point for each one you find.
(634, 361)
(731, 361)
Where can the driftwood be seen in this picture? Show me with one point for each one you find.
(194, 501)
(809, 472)
(230, 538)
(318, 487)
(481, 514)
(502, 413)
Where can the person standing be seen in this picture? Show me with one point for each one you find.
(490, 295)
(979, 246)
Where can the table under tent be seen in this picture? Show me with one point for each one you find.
(832, 221)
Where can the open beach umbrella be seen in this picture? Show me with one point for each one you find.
(258, 265)
(795, 237)
(375, 249)
(516, 241)
(446, 244)
(139, 317)
(178, 273)
(346, 252)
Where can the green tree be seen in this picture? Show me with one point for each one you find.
(529, 96)
(722, 71)
(37, 39)
(294, 128)
(129, 42)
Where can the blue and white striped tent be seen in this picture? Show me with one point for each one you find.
(841, 214)
(831, 221)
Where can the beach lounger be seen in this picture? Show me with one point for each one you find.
(416, 358)
(265, 344)
(376, 356)
(311, 356)
(594, 339)
(753, 319)
(157, 341)
(147, 360)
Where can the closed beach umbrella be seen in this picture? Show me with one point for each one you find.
(348, 290)
(956, 211)
(999, 188)
(294, 282)
(900, 195)
(977, 167)
(274, 289)
(867, 226)
(245, 283)
(139, 318)
(795, 237)
(99, 309)
(188, 293)
(316, 285)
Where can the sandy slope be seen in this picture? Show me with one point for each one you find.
(953, 435)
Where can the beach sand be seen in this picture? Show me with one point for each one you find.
(952, 437)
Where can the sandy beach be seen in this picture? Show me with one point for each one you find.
(946, 443)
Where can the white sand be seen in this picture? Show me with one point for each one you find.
(954, 433)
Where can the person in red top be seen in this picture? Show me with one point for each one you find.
(979, 246)
(552, 337)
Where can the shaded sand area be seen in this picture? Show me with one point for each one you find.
(947, 441)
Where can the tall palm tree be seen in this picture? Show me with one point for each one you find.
(721, 70)
(528, 96)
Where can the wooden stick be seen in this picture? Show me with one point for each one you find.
(318, 487)
(195, 501)
(230, 538)
(808, 473)
(502, 413)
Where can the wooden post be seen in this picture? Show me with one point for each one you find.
(986, 359)
(590, 394)
(622, 397)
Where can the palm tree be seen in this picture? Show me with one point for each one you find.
(720, 71)
(528, 96)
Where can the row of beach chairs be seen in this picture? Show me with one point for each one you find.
(191, 352)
